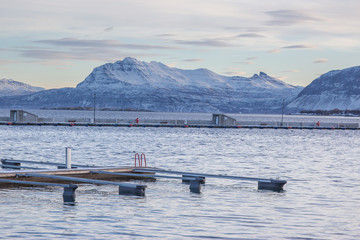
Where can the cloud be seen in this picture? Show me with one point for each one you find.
(80, 49)
(322, 60)
(193, 60)
(291, 71)
(275, 50)
(282, 78)
(298, 46)
(250, 35)
(165, 35)
(247, 63)
(5, 50)
(5, 62)
(104, 55)
(109, 29)
(52, 55)
(79, 43)
(233, 73)
(251, 58)
(204, 43)
(289, 17)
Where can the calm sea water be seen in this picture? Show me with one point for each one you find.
(321, 199)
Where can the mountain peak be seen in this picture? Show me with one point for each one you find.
(129, 60)
(262, 74)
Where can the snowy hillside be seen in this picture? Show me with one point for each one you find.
(133, 84)
(9, 87)
(339, 89)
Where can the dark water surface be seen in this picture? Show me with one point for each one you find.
(321, 199)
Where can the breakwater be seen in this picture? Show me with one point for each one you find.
(180, 120)
(289, 125)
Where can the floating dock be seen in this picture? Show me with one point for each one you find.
(68, 176)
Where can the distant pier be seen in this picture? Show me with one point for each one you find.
(23, 118)
(248, 125)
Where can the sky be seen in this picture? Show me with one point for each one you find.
(57, 43)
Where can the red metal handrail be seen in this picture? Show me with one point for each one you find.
(138, 158)
(143, 155)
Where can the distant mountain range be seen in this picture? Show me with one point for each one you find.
(9, 87)
(133, 84)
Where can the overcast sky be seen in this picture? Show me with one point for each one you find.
(55, 44)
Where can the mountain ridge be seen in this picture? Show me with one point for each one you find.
(134, 84)
(336, 89)
(10, 87)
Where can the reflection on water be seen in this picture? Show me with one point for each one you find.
(319, 201)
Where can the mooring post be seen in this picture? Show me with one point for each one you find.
(69, 193)
(201, 178)
(272, 184)
(138, 191)
(68, 157)
(195, 185)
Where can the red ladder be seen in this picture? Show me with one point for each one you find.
(140, 159)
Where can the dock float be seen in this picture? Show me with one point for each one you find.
(69, 189)
(194, 186)
(17, 167)
(263, 183)
(67, 178)
(11, 163)
(124, 188)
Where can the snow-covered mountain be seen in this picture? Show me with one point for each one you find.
(338, 89)
(9, 87)
(131, 72)
(133, 84)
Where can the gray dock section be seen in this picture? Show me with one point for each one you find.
(58, 178)
(12, 163)
(124, 188)
(194, 186)
(263, 183)
(69, 189)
